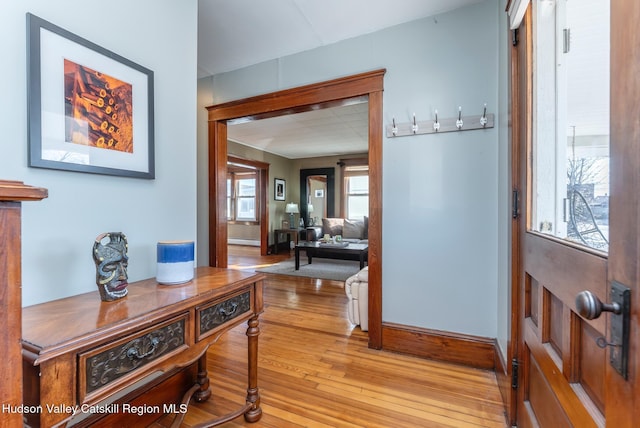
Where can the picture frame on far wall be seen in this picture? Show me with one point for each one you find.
(89, 109)
(279, 189)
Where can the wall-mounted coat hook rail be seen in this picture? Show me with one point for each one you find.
(453, 124)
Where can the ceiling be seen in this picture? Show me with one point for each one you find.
(328, 132)
(233, 34)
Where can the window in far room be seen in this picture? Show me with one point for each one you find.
(242, 196)
(356, 191)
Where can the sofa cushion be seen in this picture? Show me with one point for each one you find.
(332, 226)
(352, 229)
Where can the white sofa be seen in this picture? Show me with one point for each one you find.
(357, 289)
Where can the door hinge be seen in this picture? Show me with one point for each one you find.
(515, 203)
(514, 374)
(566, 40)
(514, 37)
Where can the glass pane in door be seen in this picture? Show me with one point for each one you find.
(570, 153)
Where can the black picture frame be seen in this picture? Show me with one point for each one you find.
(279, 189)
(88, 107)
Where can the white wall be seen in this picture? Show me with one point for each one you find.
(440, 192)
(58, 233)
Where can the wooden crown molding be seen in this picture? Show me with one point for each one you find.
(297, 100)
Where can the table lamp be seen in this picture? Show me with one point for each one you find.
(291, 209)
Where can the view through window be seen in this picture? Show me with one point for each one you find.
(570, 158)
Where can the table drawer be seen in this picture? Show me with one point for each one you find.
(215, 315)
(103, 369)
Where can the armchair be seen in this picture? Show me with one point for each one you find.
(356, 288)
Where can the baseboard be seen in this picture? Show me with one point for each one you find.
(472, 351)
(247, 242)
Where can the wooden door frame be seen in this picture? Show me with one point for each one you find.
(343, 91)
(263, 201)
(521, 116)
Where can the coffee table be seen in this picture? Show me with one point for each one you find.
(331, 251)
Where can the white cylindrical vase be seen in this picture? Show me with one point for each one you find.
(175, 262)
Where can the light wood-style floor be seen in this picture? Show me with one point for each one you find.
(315, 369)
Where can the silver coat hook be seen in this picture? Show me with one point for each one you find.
(459, 122)
(394, 129)
(436, 124)
(414, 128)
(483, 119)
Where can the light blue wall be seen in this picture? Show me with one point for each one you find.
(440, 192)
(58, 233)
(440, 220)
(205, 89)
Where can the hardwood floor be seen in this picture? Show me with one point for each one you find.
(315, 369)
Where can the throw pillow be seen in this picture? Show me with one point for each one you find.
(352, 229)
(332, 226)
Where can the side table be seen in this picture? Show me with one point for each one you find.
(291, 234)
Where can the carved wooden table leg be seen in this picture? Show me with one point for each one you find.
(204, 392)
(253, 396)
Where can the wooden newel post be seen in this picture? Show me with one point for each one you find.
(12, 194)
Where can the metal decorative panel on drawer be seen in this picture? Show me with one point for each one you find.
(216, 315)
(113, 363)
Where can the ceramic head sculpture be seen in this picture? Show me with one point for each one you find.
(110, 257)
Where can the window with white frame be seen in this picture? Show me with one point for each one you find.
(356, 191)
(242, 196)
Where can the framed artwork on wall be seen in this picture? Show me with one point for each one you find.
(90, 110)
(279, 189)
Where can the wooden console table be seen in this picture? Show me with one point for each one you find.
(134, 360)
